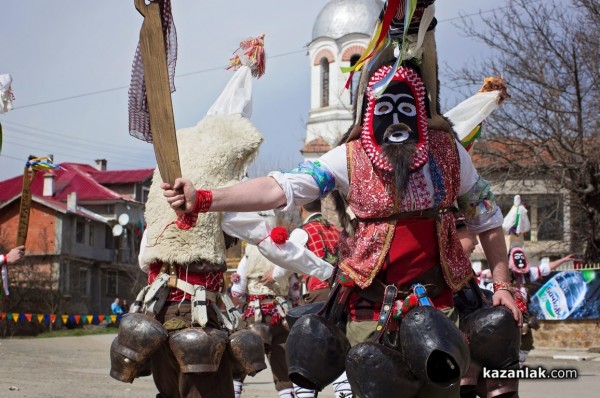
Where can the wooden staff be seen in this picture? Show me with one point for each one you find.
(25, 209)
(156, 77)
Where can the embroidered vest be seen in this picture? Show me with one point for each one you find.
(371, 196)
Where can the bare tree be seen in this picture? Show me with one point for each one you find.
(549, 54)
(34, 288)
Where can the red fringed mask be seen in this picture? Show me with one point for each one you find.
(517, 261)
(397, 117)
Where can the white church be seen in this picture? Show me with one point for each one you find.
(340, 35)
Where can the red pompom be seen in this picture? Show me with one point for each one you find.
(346, 280)
(279, 235)
(413, 301)
(410, 302)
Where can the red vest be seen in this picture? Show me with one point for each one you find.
(323, 240)
(371, 197)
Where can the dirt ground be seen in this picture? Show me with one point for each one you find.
(78, 367)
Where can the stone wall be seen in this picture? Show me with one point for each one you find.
(568, 334)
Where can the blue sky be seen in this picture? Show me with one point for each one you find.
(71, 63)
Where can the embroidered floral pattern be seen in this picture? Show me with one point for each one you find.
(370, 197)
(322, 176)
(480, 200)
(267, 309)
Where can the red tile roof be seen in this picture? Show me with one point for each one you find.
(74, 177)
(318, 145)
(512, 151)
(122, 176)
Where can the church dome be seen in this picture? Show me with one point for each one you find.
(341, 17)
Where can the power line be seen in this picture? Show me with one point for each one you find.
(2, 155)
(91, 93)
(54, 134)
(124, 87)
(70, 148)
(80, 153)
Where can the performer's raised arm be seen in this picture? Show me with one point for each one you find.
(261, 193)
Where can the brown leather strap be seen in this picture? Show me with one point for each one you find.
(432, 213)
(432, 279)
(385, 315)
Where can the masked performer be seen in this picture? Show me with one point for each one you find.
(320, 237)
(523, 276)
(400, 171)
(265, 313)
(182, 326)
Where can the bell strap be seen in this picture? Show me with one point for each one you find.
(257, 310)
(282, 306)
(199, 305)
(231, 318)
(157, 294)
(336, 302)
(139, 300)
(303, 288)
(389, 296)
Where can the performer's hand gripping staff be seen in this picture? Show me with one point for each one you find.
(33, 165)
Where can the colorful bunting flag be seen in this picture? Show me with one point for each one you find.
(91, 319)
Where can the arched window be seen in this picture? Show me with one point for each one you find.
(324, 82)
(355, 79)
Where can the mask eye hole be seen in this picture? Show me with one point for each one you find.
(407, 109)
(398, 136)
(383, 108)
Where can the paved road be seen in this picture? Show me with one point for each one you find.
(78, 367)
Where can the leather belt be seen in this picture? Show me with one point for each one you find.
(195, 266)
(432, 279)
(432, 213)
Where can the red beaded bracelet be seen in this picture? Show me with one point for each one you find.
(204, 200)
(503, 286)
(517, 296)
(186, 221)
